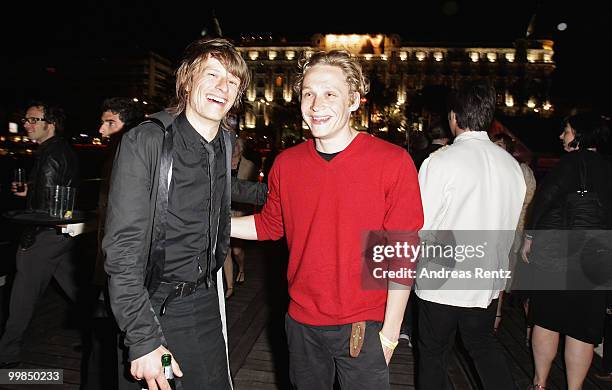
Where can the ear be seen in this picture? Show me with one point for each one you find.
(355, 101)
(51, 129)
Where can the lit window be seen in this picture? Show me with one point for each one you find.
(532, 57)
(531, 103)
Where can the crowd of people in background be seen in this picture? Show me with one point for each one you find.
(178, 197)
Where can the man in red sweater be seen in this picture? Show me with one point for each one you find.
(324, 194)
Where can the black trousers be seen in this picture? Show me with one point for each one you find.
(437, 328)
(193, 332)
(104, 364)
(49, 257)
(318, 353)
(607, 343)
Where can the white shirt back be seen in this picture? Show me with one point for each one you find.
(471, 185)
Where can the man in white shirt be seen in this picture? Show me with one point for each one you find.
(474, 190)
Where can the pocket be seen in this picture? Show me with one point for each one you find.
(375, 343)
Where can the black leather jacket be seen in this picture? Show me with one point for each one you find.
(55, 163)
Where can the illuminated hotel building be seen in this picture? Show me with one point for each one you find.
(399, 70)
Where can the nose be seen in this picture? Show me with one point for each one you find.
(315, 105)
(223, 84)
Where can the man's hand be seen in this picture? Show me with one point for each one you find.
(73, 229)
(526, 249)
(388, 352)
(149, 369)
(22, 193)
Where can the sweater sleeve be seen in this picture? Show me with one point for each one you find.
(403, 214)
(269, 223)
(403, 209)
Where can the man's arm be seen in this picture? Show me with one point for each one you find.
(404, 215)
(244, 227)
(397, 299)
(246, 191)
(125, 245)
(269, 222)
(433, 182)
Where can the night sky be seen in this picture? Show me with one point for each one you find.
(50, 33)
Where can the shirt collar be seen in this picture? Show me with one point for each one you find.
(189, 133)
(466, 135)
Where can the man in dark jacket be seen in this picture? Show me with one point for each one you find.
(119, 114)
(43, 252)
(167, 227)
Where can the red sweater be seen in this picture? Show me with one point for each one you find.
(323, 207)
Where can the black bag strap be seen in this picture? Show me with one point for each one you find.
(155, 265)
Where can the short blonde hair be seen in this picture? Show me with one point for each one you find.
(196, 54)
(351, 68)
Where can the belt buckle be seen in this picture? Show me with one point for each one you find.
(180, 288)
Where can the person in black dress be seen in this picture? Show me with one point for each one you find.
(563, 308)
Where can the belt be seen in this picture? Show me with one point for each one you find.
(182, 289)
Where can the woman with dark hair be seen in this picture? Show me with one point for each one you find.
(562, 308)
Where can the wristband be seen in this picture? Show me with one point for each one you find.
(528, 236)
(386, 342)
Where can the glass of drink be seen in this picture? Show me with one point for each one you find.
(60, 201)
(19, 177)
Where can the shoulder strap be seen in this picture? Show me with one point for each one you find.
(162, 118)
(155, 265)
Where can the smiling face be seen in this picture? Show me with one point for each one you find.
(212, 93)
(566, 137)
(327, 102)
(41, 130)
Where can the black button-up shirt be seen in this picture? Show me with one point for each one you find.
(194, 202)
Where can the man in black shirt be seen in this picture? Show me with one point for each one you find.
(167, 228)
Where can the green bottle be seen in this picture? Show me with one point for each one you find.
(167, 367)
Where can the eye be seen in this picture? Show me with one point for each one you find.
(233, 82)
(331, 94)
(306, 94)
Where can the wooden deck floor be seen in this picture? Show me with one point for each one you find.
(257, 347)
